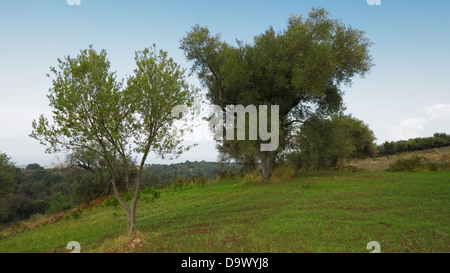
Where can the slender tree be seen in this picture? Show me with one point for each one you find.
(93, 111)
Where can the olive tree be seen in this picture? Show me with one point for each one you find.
(122, 124)
(300, 69)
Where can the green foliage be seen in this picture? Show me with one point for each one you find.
(149, 194)
(7, 170)
(59, 202)
(414, 144)
(162, 175)
(151, 179)
(14, 208)
(295, 158)
(184, 183)
(78, 185)
(88, 186)
(105, 119)
(37, 190)
(327, 143)
(111, 201)
(75, 215)
(241, 152)
(40, 183)
(300, 69)
(34, 166)
(93, 113)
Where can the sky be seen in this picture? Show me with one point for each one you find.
(405, 95)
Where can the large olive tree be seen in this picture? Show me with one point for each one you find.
(300, 69)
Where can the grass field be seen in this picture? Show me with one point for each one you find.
(332, 212)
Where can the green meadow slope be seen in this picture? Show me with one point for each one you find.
(334, 212)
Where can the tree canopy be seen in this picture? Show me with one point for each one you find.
(300, 69)
(327, 143)
(93, 111)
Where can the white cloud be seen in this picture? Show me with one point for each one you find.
(438, 111)
(408, 128)
(436, 119)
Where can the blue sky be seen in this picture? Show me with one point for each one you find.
(405, 95)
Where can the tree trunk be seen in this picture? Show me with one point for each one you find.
(131, 220)
(130, 211)
(267, 164)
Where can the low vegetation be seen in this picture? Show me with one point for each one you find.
(424, 160)
(312, 212)
(36, 190)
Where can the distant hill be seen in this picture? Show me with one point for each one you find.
(168, 173)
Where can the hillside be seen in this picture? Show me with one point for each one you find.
(334, 212)
(382, 163)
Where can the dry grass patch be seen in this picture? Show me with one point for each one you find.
(123, 244)
(253, 178)
(382, 163)
(283, 173)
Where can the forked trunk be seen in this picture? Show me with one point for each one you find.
(130, 210)
(131, 220)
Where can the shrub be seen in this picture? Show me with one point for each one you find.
(89, 186)
(59, 202)
(178, 185)
(295, 158)
(253, 178)
(410, 165)
(149, 194)
(418, 164)
(13, 208)
(75, 215)
(283, 173)
(227, 175)
(111, 201)
(196, 180)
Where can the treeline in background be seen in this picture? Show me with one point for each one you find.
(438, 140)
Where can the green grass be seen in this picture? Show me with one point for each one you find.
(334, 212)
